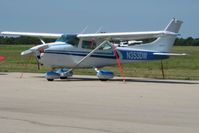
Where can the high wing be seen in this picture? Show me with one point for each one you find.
(126, 35)
(31, 34)
(120, 36)
(104, 36)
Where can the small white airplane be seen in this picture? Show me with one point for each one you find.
(97, 50)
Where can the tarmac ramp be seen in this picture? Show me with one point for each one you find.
(85, 105)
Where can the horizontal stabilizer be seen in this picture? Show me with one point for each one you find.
(170, 54)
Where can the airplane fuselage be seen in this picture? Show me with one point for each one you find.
(62, 55)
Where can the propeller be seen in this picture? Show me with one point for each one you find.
(26, 52)
(36, 51)
(42, 41)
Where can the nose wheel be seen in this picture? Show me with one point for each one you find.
(58, 74)
(50, 79)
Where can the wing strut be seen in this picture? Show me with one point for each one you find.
(88, 55)
(116, 54)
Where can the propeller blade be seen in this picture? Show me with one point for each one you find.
(26, 52)
(42, 41)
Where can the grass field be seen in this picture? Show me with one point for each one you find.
(186, 67)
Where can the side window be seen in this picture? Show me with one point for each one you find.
(88, 44)
(105, 47)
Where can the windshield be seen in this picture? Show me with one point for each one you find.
(70, 39)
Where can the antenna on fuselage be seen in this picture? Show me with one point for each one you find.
(99, 29)
(83, 31)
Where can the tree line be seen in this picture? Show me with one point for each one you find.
(22, 40)
(32, 40)
(187, 42)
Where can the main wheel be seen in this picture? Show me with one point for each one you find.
(63, 77)
(50, 79)
(103, 79)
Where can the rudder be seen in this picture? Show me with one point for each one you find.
(174, 26)
(163, 43)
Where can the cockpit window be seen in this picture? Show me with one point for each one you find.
(70, 39)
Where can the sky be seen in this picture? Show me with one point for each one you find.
(73, 16)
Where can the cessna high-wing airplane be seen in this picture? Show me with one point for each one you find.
(97, 50)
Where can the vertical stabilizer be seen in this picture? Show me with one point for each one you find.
(174, 26)
(165, 42)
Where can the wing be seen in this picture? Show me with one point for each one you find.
(126, 35)
(31, 34)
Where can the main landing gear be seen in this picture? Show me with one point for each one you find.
(58, 74)
(102, 75)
